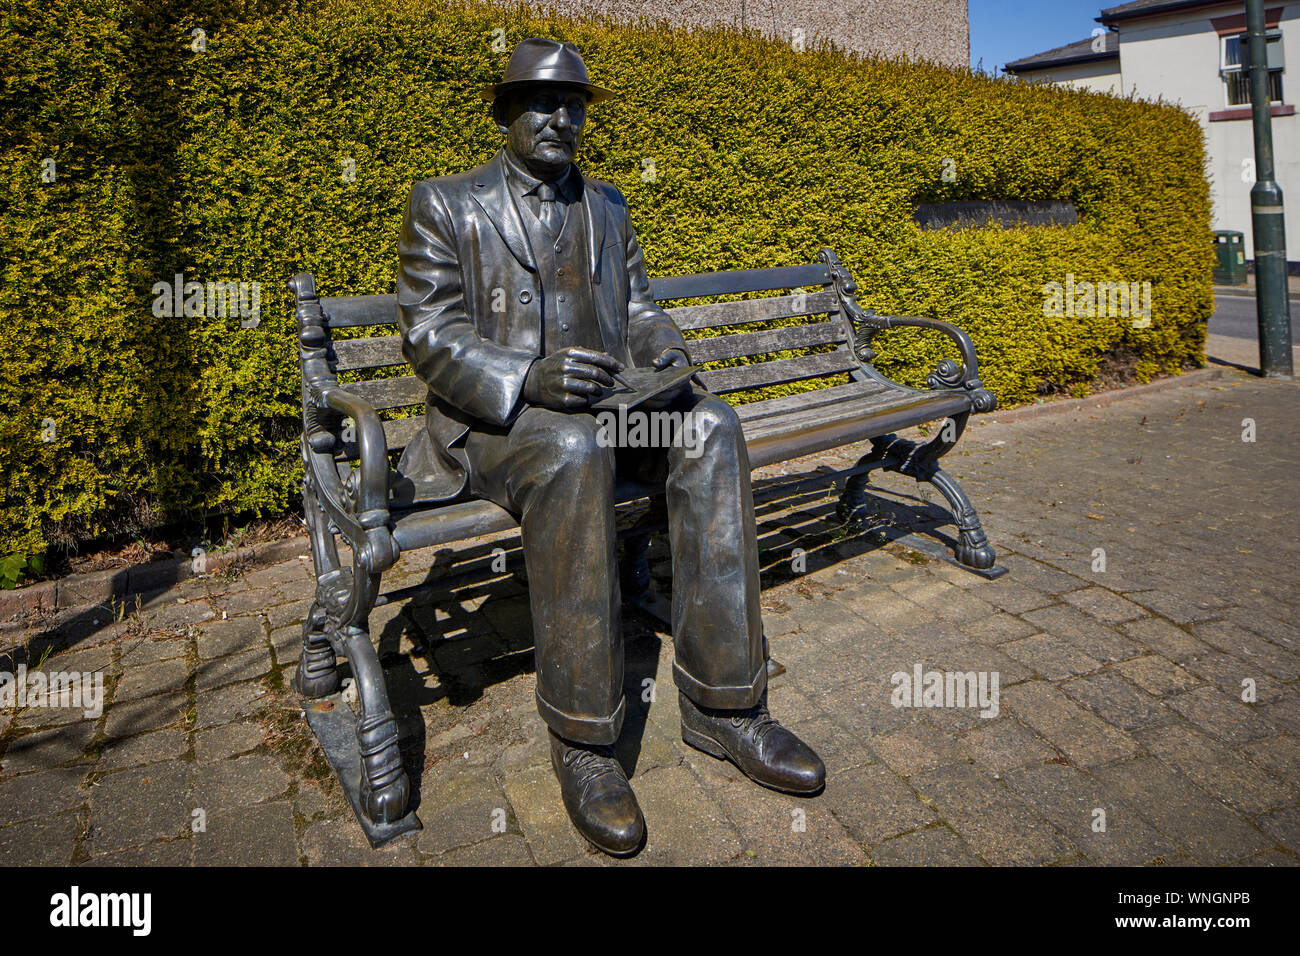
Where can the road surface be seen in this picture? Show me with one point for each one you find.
(1234, 316)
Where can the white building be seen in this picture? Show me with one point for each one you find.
(1189, 53)
(1089, 64)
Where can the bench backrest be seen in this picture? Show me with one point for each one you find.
(811, 346)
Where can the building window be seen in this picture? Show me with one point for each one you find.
(1236, 81)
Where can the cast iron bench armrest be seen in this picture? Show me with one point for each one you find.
(358, 503)
(947, 374)
(367, 485)
(369, 491)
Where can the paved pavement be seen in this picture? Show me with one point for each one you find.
(1240, 353)
(1143, 643)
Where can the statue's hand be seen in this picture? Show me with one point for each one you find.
(570, 378)
(675, 358)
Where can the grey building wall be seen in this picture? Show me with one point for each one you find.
(937, 30)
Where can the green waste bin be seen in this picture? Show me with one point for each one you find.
(1230, 267)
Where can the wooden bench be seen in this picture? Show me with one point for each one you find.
(376, 510)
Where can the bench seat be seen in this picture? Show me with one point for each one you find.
(424, 526)
(775, 430)
(839, 415)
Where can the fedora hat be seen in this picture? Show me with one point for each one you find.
(538, 60)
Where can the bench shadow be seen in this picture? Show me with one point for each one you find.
(800, 530)
(467, 624)
(464, 635)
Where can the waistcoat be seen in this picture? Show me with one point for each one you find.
(568, 307)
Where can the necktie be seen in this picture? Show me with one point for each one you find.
(552, 213)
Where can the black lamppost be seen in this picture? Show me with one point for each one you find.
(1271, 304)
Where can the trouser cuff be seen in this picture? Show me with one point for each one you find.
(583, 730)
(722, 698)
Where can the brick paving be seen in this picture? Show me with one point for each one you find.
(1143, 639)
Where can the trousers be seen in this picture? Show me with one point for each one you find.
(553, 472)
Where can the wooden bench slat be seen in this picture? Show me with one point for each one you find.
(378, 352)
(785, 437)
(754, 412)
(737, 281)
(386, 351)
(800, 418)
(775, 438)
(350, 311)
(737, 344)
(365, 310)
(720, 314)
(390, 392)
(776, 373)
(424, 526)
(398, 433)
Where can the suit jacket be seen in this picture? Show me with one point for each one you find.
(469, 307)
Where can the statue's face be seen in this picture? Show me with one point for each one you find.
(543, 125)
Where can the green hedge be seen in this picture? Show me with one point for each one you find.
(226, 165)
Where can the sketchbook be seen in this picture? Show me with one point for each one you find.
(649, 382)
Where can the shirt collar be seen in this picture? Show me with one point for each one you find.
(524, 183)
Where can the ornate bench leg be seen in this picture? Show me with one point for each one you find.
(318, 673)
(973, 548)
(385, 788)
(852, 508)
(920, 463)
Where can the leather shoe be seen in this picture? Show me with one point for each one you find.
(752, 739)
(596, 793)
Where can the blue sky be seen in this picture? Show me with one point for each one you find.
(1002, 30)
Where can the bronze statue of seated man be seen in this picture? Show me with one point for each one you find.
(522, 293)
